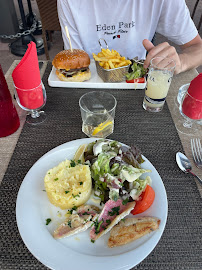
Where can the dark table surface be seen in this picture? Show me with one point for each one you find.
(155, 134)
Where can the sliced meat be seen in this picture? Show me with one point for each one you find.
(131, 229)
(111, 214)
(77, 222)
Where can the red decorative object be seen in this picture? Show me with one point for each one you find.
(27, 80)
(192, 103)
(9, 120)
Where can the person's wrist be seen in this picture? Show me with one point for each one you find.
(182, 63)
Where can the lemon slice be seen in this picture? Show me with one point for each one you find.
(79, 155)
(101, 127)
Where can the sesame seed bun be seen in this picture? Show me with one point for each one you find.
(68, 59)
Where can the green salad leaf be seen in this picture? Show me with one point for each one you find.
(138, 71)
(116, 170)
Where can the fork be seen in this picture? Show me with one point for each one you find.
(196, 152)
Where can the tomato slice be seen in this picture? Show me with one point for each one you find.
(138, 80)
(147, 198)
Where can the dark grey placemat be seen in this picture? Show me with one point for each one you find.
(155, 134)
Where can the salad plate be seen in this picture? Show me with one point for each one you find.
(33, 209)
(94, 82)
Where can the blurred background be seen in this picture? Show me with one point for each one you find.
(21, 15)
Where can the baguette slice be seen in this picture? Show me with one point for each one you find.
(131, 229)
(77, 222)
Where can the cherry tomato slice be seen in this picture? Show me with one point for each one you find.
(147, 198)
(138, 80)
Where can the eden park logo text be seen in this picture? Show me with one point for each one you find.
(121, 27)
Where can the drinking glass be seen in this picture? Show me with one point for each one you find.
(9, 120)
(97, 112)
(188, 112)
(32, 100)
(160, 74)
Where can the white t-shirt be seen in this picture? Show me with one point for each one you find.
(124, 23)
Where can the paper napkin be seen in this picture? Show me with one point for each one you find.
(27, 74)
(27, 80)
(195, 88)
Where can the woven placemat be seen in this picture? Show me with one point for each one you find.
(155, 134)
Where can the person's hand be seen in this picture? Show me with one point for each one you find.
(163, 50)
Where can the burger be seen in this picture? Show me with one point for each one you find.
(72, 66)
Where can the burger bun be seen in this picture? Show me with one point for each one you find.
(74, 59)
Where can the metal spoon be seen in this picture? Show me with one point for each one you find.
(185, 165)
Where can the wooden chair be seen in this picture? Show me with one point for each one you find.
(49, 19)
(193, 12)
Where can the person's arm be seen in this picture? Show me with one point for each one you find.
(190, 56)
(66, 19)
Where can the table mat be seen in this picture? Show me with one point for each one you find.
(155, 134)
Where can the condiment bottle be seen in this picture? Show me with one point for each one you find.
(9, 119)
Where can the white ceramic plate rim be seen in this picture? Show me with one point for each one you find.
(53, 253)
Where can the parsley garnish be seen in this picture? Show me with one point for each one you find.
(48, 220)
(72, 163)
(97, 225)
(81, 183)
(108, 221)
(124, 202)
(66, 191)
(73, 208)
(74, 196)
(92, 241)
(69, 223)
(55, 179)
(115, 211)
(79, 161)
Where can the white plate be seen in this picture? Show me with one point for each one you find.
(94, 82)
(77, 252)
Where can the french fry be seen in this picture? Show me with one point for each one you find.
(110, 64)
(106, 66)
(122, 58)
(102, 63)
(110, 59)
(122, 64)
(104, 52)
(100, 54)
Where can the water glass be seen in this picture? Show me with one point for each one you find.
(160, 74)
(97, 112)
